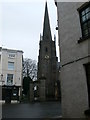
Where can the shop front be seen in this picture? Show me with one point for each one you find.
(10, 93)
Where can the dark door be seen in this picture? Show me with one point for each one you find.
(8, 95)
(88, 80)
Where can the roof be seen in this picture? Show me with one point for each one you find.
(11, 50)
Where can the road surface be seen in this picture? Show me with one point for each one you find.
(32, 110)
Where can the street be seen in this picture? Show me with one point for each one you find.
(32, 110)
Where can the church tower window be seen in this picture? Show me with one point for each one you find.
(46, 49)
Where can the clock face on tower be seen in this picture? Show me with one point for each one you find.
(46, 56)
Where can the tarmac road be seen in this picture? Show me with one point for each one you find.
(32, 110)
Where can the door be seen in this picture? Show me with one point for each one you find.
(88, 80)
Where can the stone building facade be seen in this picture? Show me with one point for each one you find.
(74, 45)
(10, 73)
(37, 90)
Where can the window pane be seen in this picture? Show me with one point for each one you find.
(83, 18)
(84, 26)
(88, 9)
(10, 65)
(88, 23)
(83, 12)
(9, 79)
(89, 31)
(89, 15)
(85, 33)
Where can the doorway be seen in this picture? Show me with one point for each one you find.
(87, 67)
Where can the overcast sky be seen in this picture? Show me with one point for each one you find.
(22, 23)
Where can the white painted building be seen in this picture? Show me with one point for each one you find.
(11, 67)
(74, 42)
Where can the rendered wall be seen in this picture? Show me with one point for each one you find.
(73, 57)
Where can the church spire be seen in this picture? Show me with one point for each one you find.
(46, 25)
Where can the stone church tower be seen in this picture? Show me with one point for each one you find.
(47, 60)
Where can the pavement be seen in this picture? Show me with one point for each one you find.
(12, 101)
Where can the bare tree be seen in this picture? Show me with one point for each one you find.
(30, 68)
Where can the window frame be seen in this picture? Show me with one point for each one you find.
(10, 67)
(83, 9)
(8, 80)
